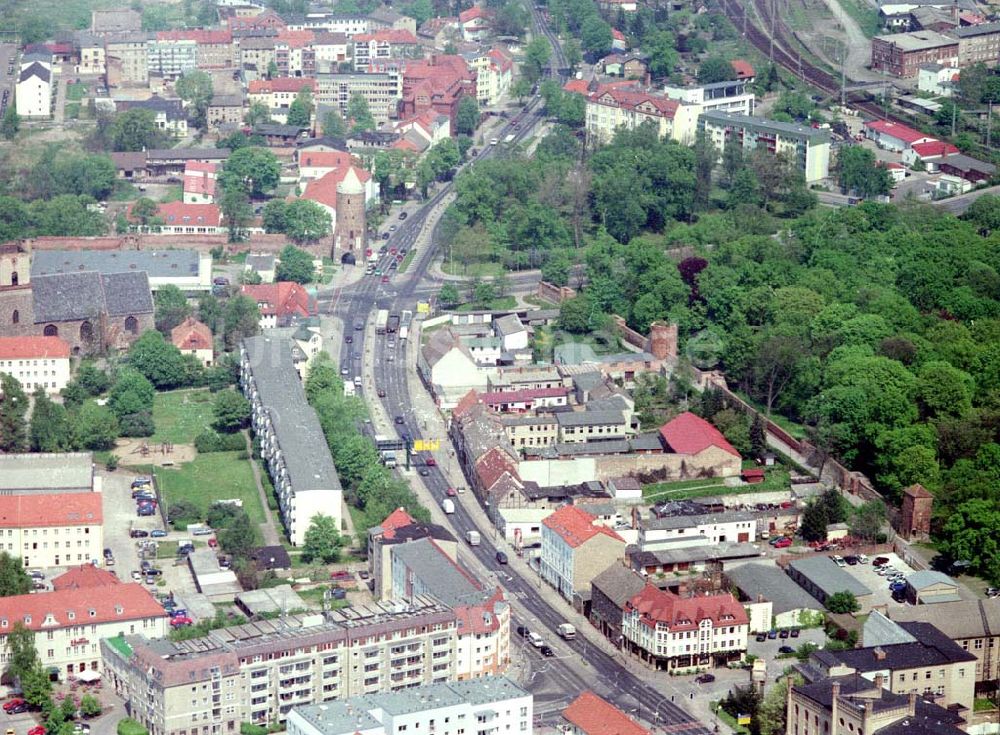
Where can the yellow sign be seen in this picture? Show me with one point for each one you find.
(423, 307)
(743, 720)
(426, 445)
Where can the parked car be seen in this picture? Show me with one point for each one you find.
(180, 621)
(11, 704)
(879, 561)
(705, 678)
(783, 633)
(501, 557)
(36, 574)
(431, 462)
(451, 492)
(786, 649)
(795, 632)
(783, 543)
(398, 420)
(141, 481)
(772, 634)
(761, 637)
(547, 651)
(37, 730)
(138, 533)
(158, 533)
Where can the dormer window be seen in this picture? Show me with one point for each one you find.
(119, 609)
(71, 615)
(27, 620)
(3, 623)
(93, 612)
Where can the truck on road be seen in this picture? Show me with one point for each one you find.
(448, 505)
(472, 537)
(566, 631)
(393, 324)
(404, 325)
(381, 319)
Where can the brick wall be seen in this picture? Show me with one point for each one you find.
(551, 292)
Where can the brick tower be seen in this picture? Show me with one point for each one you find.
(915, 520)
(349, 229)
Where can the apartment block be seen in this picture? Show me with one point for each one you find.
(491, 705)
(260, 671)
(52, 529)
(292, 442)
(978, 44)
(382, 88)
(36, 362)
(127, 59)
(807, 148)
(172, 58)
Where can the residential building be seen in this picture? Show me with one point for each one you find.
(172, 59)
(281, 304)
(610, 592)
(522, 401)
(449, 368)
(714, 528)
(807, 148)
(596, 425)
(295, 451)
(929, 153)
(436, 83)
(522, 526)
(189, 270)
(611, 108)
(179, 218)
(937, 80)
(978, 44)
(262, 264)
(69, 622)
(575, 549)
(382, 45)
(444, 709)
(385, 17)
(911, 658)
(544, 376)
(255, 55)
(127, 59)
(399, 527)
(48, 473)
(974, 625)
(36, 362)
(493, 75)
(200, 180)
(382, 88)
(225, 111)
(173, 161)
(732, 96)
(692, 435)
(476, 23)
(279, 93)
(865, 707)
(902, 54)
(262, 670)
(894, 136)
(588, 714)
(213, 47)
(529, 431)
(192, 337)
(92, 55)
(821, 578)
(52, 529)
(33, 93)
(331, 50)
(770, 601)
(168, 114)
(671, 632)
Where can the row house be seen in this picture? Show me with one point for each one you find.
(294, 55)
(295, 451)
(670, 632)
(260, 671)
(379, 46)
(575, 549)
(255, 55)
(522, 401)
(325, 21)
(331, 49)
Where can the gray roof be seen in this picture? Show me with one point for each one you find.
(263, 262)
(730, 118)
(619, 584)
(966, 163)
(589, 380)
(827, 576)
(878, 630)
(31, 473)
(440, 576)
(273, 599)
(702, 552)
(187, 154)
(34, 69)
(930, 647)
(61, 297)
(156, 263)
(768, 580)
(979, 30)
(507, 325)
(673, 522)
(957, 620)
(590, 418)
(928, 577)
(300, 437)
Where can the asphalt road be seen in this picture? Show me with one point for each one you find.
(558, 677)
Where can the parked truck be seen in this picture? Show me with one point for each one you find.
(448, 505)
(472, 537)
(567, 631)
(393, 324)
(381, 319)
(404, 325)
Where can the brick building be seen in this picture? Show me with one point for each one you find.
(915, 518)
(436, 83)
(902, 54)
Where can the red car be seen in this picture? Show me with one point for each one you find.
(212, 542)
(37, 730)
(181, 620)
(783, 543)
(385, 279)
(431, 462)
(12, 704)
(451, 492)
(392, 251)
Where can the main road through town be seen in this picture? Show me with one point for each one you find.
(354, 305)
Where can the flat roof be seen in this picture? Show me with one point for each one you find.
(825, 574)
(49, 472)
(917, 40)
(720, 117)
(758, 578)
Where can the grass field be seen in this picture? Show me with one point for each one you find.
(75, 92)
(180, 415)
(504, 302)
(776, 478)
(212, 477)
(407, 259)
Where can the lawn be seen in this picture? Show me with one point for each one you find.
(407, 259)
(72, 111)
(474, 270)
(498, 304)
(180, 415)
(212, 477)
(173, 194)
(776, 478)
(166, 550)
(75, 92)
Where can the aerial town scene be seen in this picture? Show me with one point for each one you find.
(499, 367)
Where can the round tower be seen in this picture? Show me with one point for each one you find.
(349, 228)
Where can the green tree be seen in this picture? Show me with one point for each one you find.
(22, 654)
(857, 171)
(195, 88)
(984, 213)
(253, 170)
(50, 430)
(867, 520)
(231, 412)
(239, 538)
(663, 56)
(171, 306)
(145, 212)
(556, 269)
(334, 125)
(943, 390)
(576, 314)
(131, 393)
(772, 713)
(90, 706)
(301, 110)
(11, 123)
(322, 540)
(235, 207)
(842, 602)
(36, 686)
(306, 221)
(241, 318)
(573, 52)
(595, 35)
(536, 57)
(715, 69)
(972, 534)
(257, 114)
(13, 409)
(359, 114)
(95, 427)
(295, 265)
(274, 216)
(467, 116)
(448, 296)
(510, 20)
(128, 726)
(521, 88)
(161, 363)
(814, 522)
(135, 130)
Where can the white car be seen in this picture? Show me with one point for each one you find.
(536, 640)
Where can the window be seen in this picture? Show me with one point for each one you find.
(15, 318)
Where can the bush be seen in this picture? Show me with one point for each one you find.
(128, 726)
(137, 424)
(112, 463)
(209, 441)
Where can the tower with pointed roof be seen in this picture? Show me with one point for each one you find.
(349, 227)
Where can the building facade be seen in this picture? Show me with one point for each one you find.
(51, 530)
(575, 549)
(36, 362)
(382, 88)
(902, 54)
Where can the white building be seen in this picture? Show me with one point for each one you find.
(493, 75)
(172, 59)
(52, 529)
(726, 96)
(33, 95)
(937, 80)
(522, 523)
(36, 362)
(449, 367)
(513, 333)
(489, 706)
(295, 448)
(714, 528)
(575, 549)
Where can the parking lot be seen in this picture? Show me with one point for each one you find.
(868, 575)
(770, 649)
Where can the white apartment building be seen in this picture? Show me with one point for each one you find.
(725, 96)
(494, 70)
(611, 108)
(671, 632)
(36, 362)
(172, 59)
(730, 527)
(493, 706)
(52, 529)
(292, 443)
(33, 94)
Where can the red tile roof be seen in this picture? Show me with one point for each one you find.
(56, 509)
(324, 189)
(634, 99)
(199, 178)
(281, 84)
(201, 167)
(399, 518)
(918, 491)
(179, 214)
(502, 60)
(84, 576)
(619, 36)
(469, 401)
(206, 36)
(493, 465)
(24, 348)
(472, 13)
(690, 434)
(87, 606)
(743, 69)
(902, 132)
(594, 716)
(580, 86)
(685, 613)
(284, 298)
(191, 334)
(325, 159)
(295, 39)
(576, 527)
(482, 618)
(934, 149)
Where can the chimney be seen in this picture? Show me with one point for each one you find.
(648, 79)
(879, 683)
(954, 11)
(879, 653)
